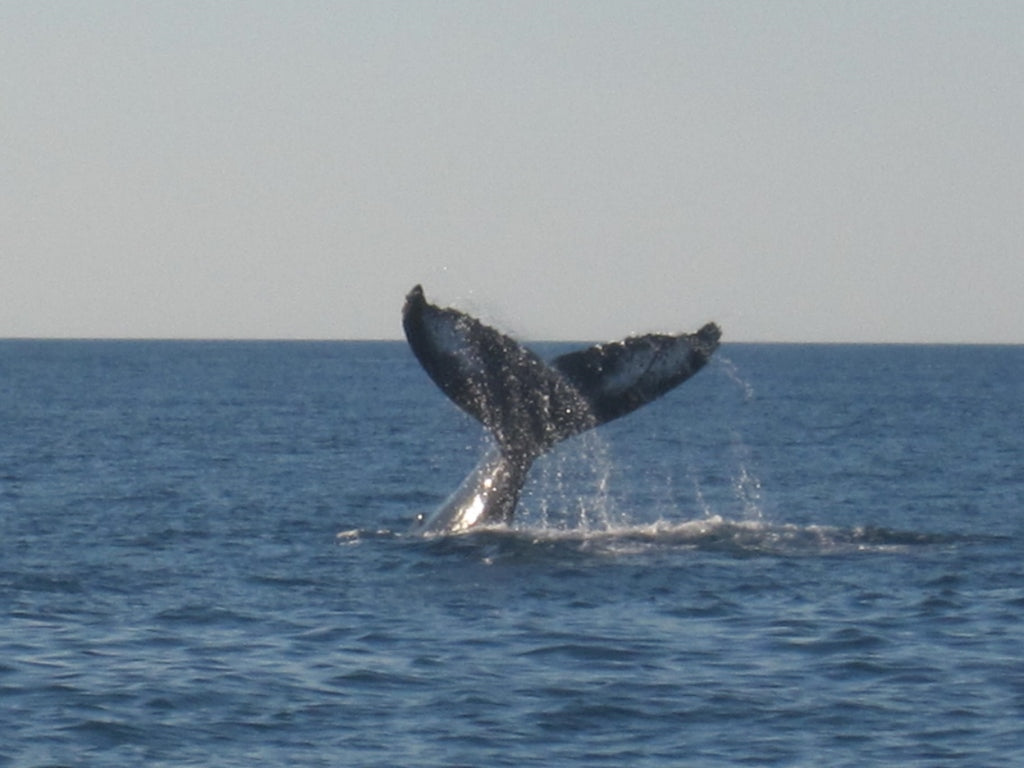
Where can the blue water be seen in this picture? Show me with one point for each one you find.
(805, 556)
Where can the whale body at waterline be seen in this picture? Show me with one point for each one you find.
(528, 404)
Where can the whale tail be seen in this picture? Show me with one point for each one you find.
(530, 405)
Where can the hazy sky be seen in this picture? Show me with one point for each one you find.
(798, 171)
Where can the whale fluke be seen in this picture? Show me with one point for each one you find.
(530, 405)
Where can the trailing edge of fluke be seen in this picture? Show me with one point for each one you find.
(530, 405)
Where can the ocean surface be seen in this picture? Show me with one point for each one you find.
(805, 556)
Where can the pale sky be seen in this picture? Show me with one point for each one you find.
(797, 171)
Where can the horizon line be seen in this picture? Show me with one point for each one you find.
(399, 339)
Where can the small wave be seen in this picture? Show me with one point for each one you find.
(201, 614)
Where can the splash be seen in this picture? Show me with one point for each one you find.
(570, 488)
(746, 484)
(714, 535)
(733, 372)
